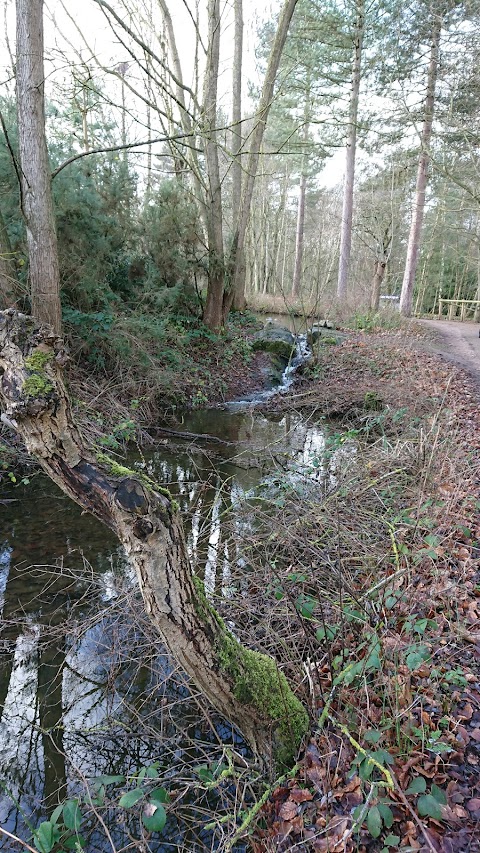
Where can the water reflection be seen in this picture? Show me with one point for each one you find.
(84, 687)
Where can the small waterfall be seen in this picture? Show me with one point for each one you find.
(302, 352)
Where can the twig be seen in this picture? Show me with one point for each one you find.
(18, 840)
(370, 759)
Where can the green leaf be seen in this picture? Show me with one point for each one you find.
(417, 786)
(72, 842)
(56, 813)
(373, 736)
(439, 794)
(387, 814)
(306, 606)
(365, 769)
(205, 774)
(428, 805)
(72, 816)
(131, 797)
(152, 772)
(358, 811)
(392, 840)
(159, 795)
(327, 632)
(44, 837)
(416, 657)
(109, 780)
(374, 822)
(156, 821)
(383, 757)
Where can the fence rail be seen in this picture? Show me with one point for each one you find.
(466, 306)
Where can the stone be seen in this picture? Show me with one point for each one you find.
(276, 340)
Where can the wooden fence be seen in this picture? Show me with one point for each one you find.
(459, 309)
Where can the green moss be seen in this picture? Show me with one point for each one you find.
(117, 470)
(37, 383)
(38, 361)
(276, 347)
(258, 682)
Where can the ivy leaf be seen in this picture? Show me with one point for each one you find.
(131, 797)
(439, 794)
(159, 795)
(428, 806)
(387, 815)
(392, 841)
(373, 736)
(417, 786)
(374, 822)
(156, 821)
(204, 774)
(109, 780)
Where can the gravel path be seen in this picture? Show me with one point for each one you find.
(458, 342)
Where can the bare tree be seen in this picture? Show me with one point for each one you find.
(347, 211)
(37, 203)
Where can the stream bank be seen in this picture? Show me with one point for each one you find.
(355, 562)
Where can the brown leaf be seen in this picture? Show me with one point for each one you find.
(466, 713)
(300, 795)
(459, 811)
(475, 735)
(316, 775)
(473, 805)
(288, 811)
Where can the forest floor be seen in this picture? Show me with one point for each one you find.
(394, 762)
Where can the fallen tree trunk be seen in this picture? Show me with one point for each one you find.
(245, 686)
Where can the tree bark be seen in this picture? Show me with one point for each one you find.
(406, 297)
(380, 267)
(244, 686)
(239, 301)
(216, 262)
(37, 203)
(347, 211)
(299, 237)
(256, 137)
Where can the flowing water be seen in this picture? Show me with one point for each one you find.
(83, 691)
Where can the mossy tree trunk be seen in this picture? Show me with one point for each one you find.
(245, 686)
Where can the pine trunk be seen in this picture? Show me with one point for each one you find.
(347, 209)
(244, 686)
(256, 136)
(406, 297)
(37, 203)
(238, 283)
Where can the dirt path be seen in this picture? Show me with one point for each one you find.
(458, 342)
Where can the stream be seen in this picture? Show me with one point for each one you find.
(85, 689)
